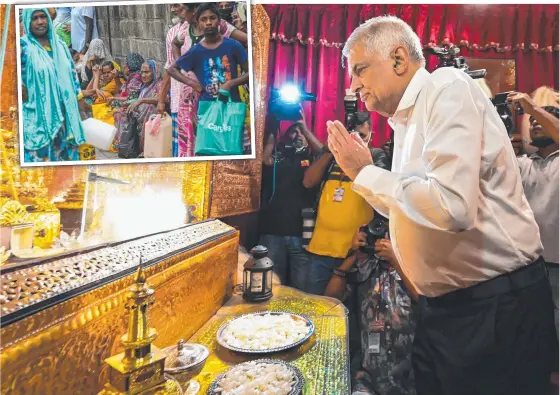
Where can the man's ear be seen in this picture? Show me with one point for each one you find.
(400, 60)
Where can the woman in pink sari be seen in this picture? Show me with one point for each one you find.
(188, 36)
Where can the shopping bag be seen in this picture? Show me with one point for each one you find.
(129, 143)
(220, 127)
(158, 137)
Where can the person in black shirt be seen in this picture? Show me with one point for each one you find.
(283, 199)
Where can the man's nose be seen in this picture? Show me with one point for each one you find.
(355, 85)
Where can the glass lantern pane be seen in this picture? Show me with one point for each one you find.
(256, 282)
(269, 280)
(246, 284)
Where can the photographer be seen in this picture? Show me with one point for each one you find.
(539, 174)
(377, 298)
(285, 160)
(340, 210)
(461, 227)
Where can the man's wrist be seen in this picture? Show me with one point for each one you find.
(357, 172)
(536, 110)
(531, 109)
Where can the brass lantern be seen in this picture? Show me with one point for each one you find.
(257, 276)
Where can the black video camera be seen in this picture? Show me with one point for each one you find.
(447, 56)
(376, 230)
(285, 103)
(502, 106)
(350, 110)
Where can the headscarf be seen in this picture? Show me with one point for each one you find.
(98, 49)
(51, 88)
(134, 61)
(148, 88)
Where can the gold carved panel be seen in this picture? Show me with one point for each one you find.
(236, 184)
(61, 350)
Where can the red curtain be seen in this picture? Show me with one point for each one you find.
(307, 41)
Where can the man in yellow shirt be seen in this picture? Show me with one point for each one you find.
(339, 213)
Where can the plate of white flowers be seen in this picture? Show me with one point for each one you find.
(265, 332)
(263, 376)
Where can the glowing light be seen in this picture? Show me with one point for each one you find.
(129, 215)
(290, 94)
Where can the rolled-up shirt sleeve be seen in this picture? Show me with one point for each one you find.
(446, 199)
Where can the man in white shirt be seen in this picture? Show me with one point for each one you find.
(539, 175)
(461, 227)
(83, 28)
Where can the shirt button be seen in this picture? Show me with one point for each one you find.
(389, 352)
(388, 326)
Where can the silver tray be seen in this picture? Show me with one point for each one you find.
(223, 343)
(297, 388)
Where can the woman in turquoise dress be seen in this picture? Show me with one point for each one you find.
(52, 127)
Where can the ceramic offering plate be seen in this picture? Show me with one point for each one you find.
(260, 376)
(265, 332)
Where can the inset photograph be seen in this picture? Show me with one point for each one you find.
(126, 82)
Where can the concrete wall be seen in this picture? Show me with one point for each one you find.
(135, 28)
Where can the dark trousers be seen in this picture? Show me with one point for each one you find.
(495, 338)
(291, 261)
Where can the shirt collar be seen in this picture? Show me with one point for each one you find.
(537, 156)
(411, 93)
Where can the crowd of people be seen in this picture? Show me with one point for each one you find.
(69, 75)
(443, 244)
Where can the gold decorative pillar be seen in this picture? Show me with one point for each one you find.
(236, 184)
(140, 369)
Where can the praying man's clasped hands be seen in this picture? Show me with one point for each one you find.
(350, 152)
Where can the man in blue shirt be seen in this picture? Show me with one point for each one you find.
(214, 60)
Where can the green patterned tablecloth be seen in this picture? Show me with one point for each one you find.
(323, 360)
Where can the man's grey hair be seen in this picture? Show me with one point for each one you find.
(383, 34)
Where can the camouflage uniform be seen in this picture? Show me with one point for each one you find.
(386, 330)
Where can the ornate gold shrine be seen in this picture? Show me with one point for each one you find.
(60, 350)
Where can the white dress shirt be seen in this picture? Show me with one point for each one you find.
(540, 182)
(454, 198)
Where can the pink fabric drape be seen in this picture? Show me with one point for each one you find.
(306, 44)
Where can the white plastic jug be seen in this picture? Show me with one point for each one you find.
(99, 134)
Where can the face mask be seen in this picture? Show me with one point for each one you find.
(225, 14)
(542, 142)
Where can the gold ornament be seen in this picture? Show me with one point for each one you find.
(13, 213)
(140, 369)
